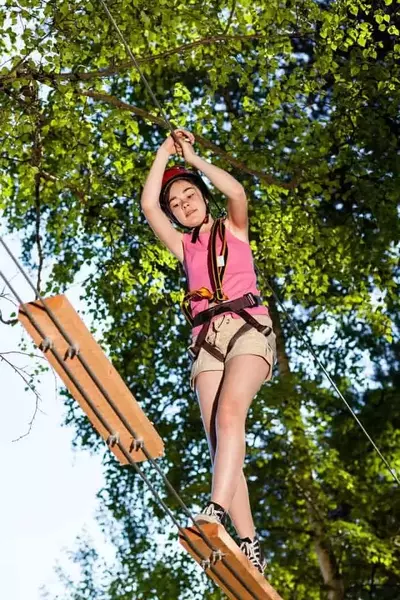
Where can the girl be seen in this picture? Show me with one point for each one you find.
(233, 345)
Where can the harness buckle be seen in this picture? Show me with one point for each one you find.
(192, 353)
(251, 299)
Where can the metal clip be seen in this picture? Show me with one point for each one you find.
(72, 351)
(113, 439)
(136, 445)
(216, 555)
(250, 298)
(205, 564)
(46, 344)
(193, 355)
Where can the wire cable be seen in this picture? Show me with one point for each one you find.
(112, 404)
(333, 384)
(137, 66)
(106, 425)
(148, 87)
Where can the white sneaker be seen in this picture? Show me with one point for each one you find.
(252, 549)
(211, 514)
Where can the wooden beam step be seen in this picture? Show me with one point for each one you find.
(94, 356)
(220, 539)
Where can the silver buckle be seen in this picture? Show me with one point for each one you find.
(192, 354)
(250, 298)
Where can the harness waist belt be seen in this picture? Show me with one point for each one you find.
(247, 301)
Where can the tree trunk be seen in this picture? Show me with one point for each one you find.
(333, 581)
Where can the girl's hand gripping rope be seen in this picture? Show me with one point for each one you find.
(186, 142)
(179, 143)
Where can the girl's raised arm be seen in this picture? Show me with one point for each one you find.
(228, 185)
(156, 218)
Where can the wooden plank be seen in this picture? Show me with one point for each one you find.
(221, 540)
(93, 354)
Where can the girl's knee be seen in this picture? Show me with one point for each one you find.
(229, 419)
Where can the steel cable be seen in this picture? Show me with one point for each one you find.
(332, 383)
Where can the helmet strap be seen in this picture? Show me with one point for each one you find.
(196, 230)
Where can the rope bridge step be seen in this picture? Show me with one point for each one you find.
(226, 547)
(86, 348)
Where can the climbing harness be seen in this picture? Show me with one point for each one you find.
(217, 263)
(238, 307)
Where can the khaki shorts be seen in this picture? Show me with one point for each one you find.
(221, 332)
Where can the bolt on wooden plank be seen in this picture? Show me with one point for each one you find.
(220, 539)
(84, 346)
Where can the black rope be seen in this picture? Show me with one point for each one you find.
(221, 211)
(333, 384)
(137, 66)
(122, 418)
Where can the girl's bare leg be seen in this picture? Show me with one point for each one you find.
(224, 400)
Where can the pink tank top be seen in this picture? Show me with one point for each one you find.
(239, 278)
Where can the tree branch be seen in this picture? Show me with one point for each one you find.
(28, 384)
(12, 159)
(115, 69)
(7, 321)
(20, 353)
(269, 179)
(22, 59)
(50, 177)
(230, 17)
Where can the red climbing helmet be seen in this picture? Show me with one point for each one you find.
(173, 174)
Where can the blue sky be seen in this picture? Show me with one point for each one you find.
(48, 490)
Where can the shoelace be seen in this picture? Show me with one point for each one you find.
(253, 552)
(211, 511)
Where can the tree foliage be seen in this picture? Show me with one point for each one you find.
(300, 100)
